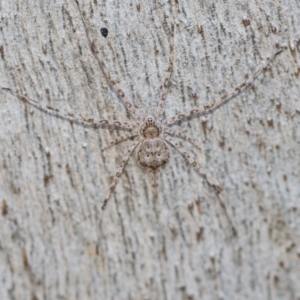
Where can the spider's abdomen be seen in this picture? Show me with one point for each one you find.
(153, 153)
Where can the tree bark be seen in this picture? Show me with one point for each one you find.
(189, 242)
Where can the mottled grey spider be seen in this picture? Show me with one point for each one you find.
(150, 132)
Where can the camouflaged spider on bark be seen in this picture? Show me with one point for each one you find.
(151, 132)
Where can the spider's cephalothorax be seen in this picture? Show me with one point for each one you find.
(153, 151)
(150, 128)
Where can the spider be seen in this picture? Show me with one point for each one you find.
(150, 132)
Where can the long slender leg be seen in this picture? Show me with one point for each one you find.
(70, 116)
(103, 67)
(161, 103)
(182, 135)
(119, 171)
(179, 148)
(227, 97)
(212, 185)
(120, 139)
(154, 181)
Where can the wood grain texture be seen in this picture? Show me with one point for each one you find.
(180, 245)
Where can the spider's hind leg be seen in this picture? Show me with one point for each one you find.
(212, 185)
(120, 171)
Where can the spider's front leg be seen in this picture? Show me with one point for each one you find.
(160, 109)
(222, 100)
(136, 114)
(71, 116)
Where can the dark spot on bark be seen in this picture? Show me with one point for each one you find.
(68, 169)
(222, 143)
(174, 232)
(270, 123)
(4, 208)
(25, 260)
(2, 52)
(199, 234)
(246, 21)
(34, 297)
(200, 29)
(191, 208)
(276, 279)
(47, 178)
(104, 32)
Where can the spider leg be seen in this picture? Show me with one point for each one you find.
(180, 149)
(103, 67)
(222, 100)
(212, 185)
(120, 139)
(119, 171)
(160, 109)
(154, 181)
(71, 116)
(182, 135)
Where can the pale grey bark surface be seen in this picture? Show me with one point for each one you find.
(180, 245)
